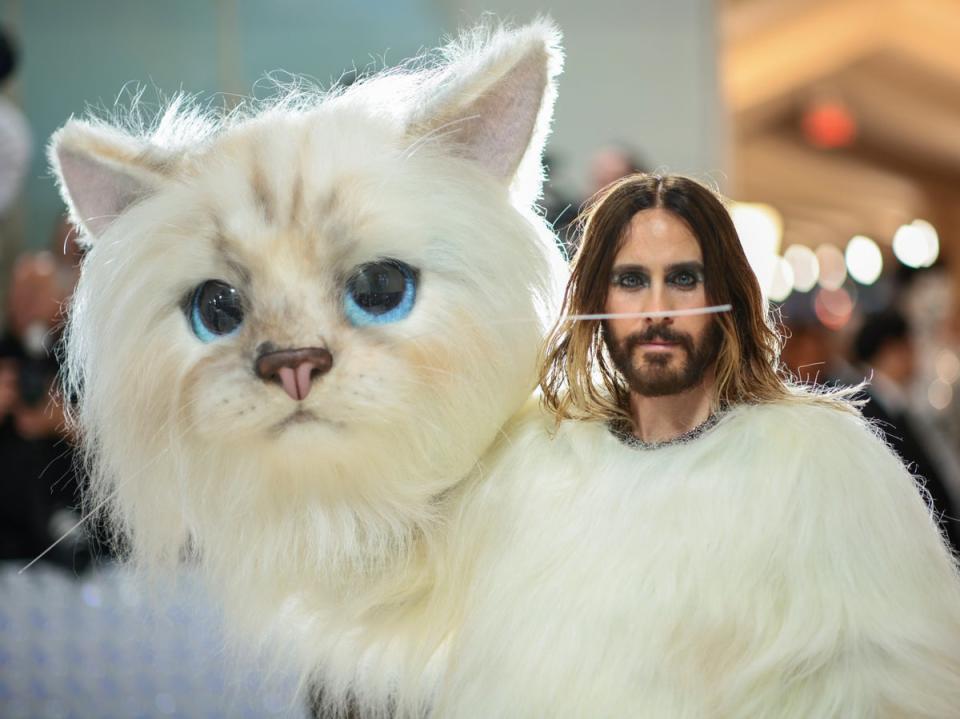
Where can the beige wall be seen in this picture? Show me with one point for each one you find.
(640, 71)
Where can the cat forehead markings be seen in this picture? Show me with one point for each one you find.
(261, 190)
(296, 198)
(262, 250)
(227, 254)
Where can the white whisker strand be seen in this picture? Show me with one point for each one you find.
(659, 314)
(110, 496)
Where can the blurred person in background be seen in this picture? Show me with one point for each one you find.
(609, 163)
(612, 162)
(559, 209)
(15, 151)
(811, 352)
(15, 138)
(884, 347)
(39, 485)
(807, 352)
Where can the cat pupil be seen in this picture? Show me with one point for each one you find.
(380, 292)
(379, 287)
(216, 310)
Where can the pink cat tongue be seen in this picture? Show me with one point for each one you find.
(296, 382)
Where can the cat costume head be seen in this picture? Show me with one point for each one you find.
(387, 233)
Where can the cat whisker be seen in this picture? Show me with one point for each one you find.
(113, 492)
(436, 370)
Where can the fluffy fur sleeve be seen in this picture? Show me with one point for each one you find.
(871, 612)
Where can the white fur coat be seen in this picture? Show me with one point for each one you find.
(783, 564)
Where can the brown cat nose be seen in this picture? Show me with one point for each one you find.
(294, 369)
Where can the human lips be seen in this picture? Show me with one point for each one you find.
(657, 340)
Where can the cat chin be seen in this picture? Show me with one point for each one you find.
(305, 425)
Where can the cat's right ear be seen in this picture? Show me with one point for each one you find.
(101, 172)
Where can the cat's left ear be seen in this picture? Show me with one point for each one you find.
(494, 102)
(101, 171)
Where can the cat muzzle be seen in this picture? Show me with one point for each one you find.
(294, 370)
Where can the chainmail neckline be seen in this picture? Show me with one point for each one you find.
(623, 431)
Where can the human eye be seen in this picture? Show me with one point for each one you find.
(630, 280)
(685, 279)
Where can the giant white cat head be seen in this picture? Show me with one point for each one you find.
(297, 327)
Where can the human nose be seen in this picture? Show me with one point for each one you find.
(657, 300)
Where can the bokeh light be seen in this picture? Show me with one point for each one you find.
(833, 266)
(806, 269)
(829, 124)
(834, 307)
(760, 228)
(782, 282)
(947, 366)
(939, 394)
(864, 260)
(917, 244)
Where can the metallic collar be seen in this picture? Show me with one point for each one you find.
(623, 431)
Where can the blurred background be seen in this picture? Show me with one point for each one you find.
(833, 126)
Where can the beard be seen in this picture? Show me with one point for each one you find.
(659, 374)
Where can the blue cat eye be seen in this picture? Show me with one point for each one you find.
(215, 310)
(379, 293)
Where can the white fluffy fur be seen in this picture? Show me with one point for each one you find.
(324, 536)
(783, 565)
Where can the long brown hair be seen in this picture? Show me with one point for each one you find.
(577, 376)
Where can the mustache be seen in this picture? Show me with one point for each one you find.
(657, 332)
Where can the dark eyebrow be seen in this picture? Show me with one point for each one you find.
(691, 265)
(628, 268)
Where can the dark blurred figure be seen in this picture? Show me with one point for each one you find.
(15, 137)
(607, 165)
(813, 354)
(612, 162)
(807, 353)
(15, 150)
(38, 486)
(559, 209)
(884, 345)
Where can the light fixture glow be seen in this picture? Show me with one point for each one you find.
(783, 280)
(760, 228)
(805, 267)
(833, 267)
(917, 244)
(864, 261)
(909, 246)
(939, 394)
(947, 365)
(833, 308)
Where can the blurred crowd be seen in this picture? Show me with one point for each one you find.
(40, 477)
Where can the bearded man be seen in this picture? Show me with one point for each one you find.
(684, 533)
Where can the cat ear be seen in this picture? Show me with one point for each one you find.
(494, 102)
(101, 172)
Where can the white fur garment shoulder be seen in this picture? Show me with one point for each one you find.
(783, 564)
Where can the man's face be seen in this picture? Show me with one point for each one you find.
(660, 267)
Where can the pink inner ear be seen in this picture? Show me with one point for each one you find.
(97, 191)
(506, 116)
